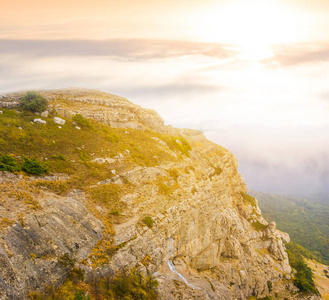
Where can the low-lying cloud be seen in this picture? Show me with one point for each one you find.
(134, 49)
(297, 54)
(273, 119)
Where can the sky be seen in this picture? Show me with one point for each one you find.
(252, 74)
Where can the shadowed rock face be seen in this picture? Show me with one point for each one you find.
(206, 228)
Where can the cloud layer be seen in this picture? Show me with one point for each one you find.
(135, 49)
(275, 120)
(300, 53)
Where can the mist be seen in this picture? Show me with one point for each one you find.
(273, 115)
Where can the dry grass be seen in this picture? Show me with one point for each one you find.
(320, 280)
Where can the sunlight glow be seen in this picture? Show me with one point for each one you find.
(253, 25)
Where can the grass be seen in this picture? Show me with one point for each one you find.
(148, 221)
(248, 200)
(71, 151)
(258, 226)
(164, 187)
(108, 195)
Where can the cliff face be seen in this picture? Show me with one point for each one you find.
(206, 238)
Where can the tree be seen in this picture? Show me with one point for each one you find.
(33, 101)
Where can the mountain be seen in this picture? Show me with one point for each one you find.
(101, 200)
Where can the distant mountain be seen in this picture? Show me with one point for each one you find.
(322, 198)
(306, 222)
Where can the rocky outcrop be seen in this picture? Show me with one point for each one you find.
(207, 240)
(37, 251)
(214, 246)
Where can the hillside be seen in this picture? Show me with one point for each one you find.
(306, 222)
(109, 203)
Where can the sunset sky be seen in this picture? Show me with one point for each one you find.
(252, 74)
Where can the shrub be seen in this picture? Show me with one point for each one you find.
(247, 199)
(304, 276)
(33, 167)
(148, 221)
(8, 163)
(178, 143)
(81, 121)
(66, 261)
(34, 102)
(269, 285)
(59, 157)
(258, 226)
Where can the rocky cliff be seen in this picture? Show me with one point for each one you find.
(185, 218)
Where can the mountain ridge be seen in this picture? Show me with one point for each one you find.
(157, 198)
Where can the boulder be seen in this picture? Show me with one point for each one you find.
(45, 114)
(39, 121)
(59, 121)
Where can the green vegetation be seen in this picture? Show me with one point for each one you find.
(247, 199)
(32, 166)
(264, 298)
(269, 286)
(34, 102)
(66, 261)
(84, 157)
(8, 163)
(177, 143)
(126, 284)
(304, 276)
(71, 151)
(107, 194)
(258, 226)
(307, 223)
(148, 221)
(81, 121)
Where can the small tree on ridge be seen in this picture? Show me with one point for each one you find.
(34, 102)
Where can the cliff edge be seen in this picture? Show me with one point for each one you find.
(128, 191)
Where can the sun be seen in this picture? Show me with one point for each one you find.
(252, 25)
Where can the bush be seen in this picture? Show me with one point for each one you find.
(81, 121)
(304, 276)
(269, 285)
(8, 163)
(148, 221)
(33, 167)
(34, 102)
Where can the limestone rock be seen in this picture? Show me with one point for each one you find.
(203, 243)
(59, 121)
(45, 114)
(39, 121)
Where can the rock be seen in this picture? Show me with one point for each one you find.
(201, 244)
(100, 160)
(39, 121)
(59, 121)
(47, 234)
(1, 112)
(77, 127)
(45, 114)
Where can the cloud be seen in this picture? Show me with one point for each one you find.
(310, 176)
(135, 49)
(172, 89)
(297, 54)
